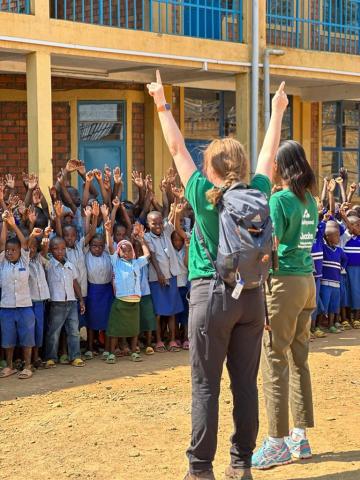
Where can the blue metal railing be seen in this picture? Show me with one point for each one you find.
(15, 6)
(213, 19)
(325, 25)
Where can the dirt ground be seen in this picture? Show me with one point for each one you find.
(116, 422)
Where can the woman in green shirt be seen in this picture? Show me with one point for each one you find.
(236, 334)
(290, 303)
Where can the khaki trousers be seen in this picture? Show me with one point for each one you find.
(284, 366)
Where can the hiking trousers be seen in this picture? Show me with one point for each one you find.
(284, 364)
(234, 335)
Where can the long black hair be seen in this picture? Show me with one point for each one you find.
(294, 169)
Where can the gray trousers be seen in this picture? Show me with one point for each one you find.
(234, 334)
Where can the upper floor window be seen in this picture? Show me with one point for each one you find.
(340, 13)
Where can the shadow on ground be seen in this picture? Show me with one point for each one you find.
(354, 475)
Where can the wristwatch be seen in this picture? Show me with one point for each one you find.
(164, 108)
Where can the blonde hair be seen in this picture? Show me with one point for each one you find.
(227, 158)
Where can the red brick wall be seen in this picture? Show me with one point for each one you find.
(138, 137)
(13, 138)
(61, 135)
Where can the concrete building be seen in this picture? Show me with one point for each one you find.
(73, 77)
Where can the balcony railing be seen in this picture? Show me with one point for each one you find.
(15, 6)
(213, 19)
(325, 25)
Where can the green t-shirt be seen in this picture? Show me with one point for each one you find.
(207, 217)
(295, 226)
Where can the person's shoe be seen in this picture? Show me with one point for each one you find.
(319, 333)
(270, 455)
(238, 473)
(299, 449)
(206, 475)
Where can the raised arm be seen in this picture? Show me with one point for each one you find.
(109, 239)
(173, 137)
(11, 222)
(273, 134)
(4, 232)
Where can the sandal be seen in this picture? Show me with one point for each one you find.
(186, 345)
(3, 364)
(38, 363)
(50, 364)
(7, 372)
(173, 347)
(105, 355)
(356, 324)
(78, 363)
(339, 326)
(346, 325)
(333, 329)
(88, 355)
(64, 360)
(318, 333)
(119, 353)
(24, 374)
(149, 351)
(111, 359)
(160, 347)
(135, 357)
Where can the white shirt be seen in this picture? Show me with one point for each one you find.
(76, 256)
(165, 253)
(99, 269)
(14, 278)
(39, 289)
(182, 278)
(61, 280)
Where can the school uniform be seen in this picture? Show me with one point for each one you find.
(147, 314)
(183, 286)
(352, 251)
(77, 257)
(167, 300)
(39, 292)
(334, 261)
(124, 320)
(17, 320)
(63, 309)
(317, 254)
(100, 293)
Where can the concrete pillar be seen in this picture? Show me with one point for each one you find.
(243, 103)
(157, 156)
(40, 8)
(39, 118)
(306, 128)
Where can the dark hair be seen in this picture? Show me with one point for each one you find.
(293, 167)
(13, 241)
(56, 240)
(97, 236)
(118, 225)
(68, 227)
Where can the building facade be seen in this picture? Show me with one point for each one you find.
(73, 77)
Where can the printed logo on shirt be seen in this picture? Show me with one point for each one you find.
(307, 236)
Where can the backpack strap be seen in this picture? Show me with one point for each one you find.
(201, 239)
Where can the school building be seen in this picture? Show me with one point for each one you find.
(73, 77)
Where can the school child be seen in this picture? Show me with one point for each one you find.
(351, 245)
(124, 320)
(163, 273)
(39, 289)
(147, 314)
(334, 261)
(63, 286)
(317, 254)
(17, 319)
(100, 291)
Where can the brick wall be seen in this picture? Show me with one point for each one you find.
(138, 137)
(13, 138)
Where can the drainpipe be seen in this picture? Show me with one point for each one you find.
(254, 87)
(266, 66)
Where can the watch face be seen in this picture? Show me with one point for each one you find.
(167, 106)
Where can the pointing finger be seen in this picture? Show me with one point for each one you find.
(281, 87)
(158, 77)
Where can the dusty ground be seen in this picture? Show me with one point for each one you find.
(116, 422)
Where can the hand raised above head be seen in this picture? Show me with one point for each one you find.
(280, 100)
(156, 90)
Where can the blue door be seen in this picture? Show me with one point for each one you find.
(101, 127)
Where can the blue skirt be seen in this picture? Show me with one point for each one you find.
(344, 295)
(166, 300)
(98, 305)
(353, 274)
(183, 317)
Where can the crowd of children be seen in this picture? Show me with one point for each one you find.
(118, 269)
(336, 256)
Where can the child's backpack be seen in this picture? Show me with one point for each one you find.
(245, 238)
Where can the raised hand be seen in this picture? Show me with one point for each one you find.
(177, 192)
(117, 175)
(107, 171)
(21, 207)
(353, 187)
(163, 185)
(47, 232)
(107, 183)
(88, 211)
(149, 183)
(72, 165)
(331, 186)
(95, 208)
(171, 176)
(108, 226)
(116, 202)
(25, 179)
(59, 209)
(98, 175)
(10, 181)
(37, 196)
(37, 232)
(32, 181)
(137, 179)
(81, 167)
(8, 217)
(280, 100)
(156, 90)
(31, 213)
(53, 192)
(138, 231)
(104, 210)
(89, 177)
(13, 201)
